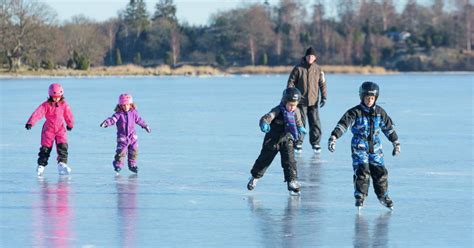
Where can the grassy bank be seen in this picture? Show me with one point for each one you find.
(164, 70)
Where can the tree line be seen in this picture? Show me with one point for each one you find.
(437, 36)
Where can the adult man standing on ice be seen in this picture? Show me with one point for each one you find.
(308, 77)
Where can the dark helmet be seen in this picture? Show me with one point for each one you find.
(368, 89)
(291, 95)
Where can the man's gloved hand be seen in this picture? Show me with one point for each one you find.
(264, 127)
(332, 143)
(396, 148)
(28, 126)
(148, 129)
(68, 128)
(302, 130)
(322, 102)
(103, 124)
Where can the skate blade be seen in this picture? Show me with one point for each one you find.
(293, 193)
(359, 209)
(64, 171)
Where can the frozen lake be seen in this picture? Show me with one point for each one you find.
(194, 167)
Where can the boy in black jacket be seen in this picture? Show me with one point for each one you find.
(282, 126)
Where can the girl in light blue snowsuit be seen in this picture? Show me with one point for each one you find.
(125, 118)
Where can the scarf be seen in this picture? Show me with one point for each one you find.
(290, 121)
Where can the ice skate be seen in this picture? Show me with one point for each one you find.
(133, 169)
(386, 202)
(117, 170)
(317, 149)
(40, 170)
(252, 183)
(294, 187)
(359, 202)
(298, 148)
(63, 169)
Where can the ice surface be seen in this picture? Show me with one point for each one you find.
(194, 167)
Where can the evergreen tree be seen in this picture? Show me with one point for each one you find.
(134, 23)
(136, 17)
(264, 60)
(165, 9)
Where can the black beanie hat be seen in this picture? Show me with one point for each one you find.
(310, 51)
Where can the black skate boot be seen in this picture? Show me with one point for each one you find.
(317, 149)
(294, 186)
(386, 202)
(298, 148)
(359, 202)
(252, 183)
(133, 169)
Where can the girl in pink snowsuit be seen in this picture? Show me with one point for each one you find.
(57, 112)
(125, 117)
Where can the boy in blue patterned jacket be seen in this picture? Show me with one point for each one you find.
(367, 120)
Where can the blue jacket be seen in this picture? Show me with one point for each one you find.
(366, 125)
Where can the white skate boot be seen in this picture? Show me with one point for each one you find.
(40, 170)
(63, 169)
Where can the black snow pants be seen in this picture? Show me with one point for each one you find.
(311, 114)
(44, 153)
(362, 174)
(272, 144)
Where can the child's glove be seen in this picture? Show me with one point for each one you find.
(396, 148)
(68, 128)
(264, 127)
(28, 126)
(103, 124)
(302, 130)
(148, 129)
(332, 143)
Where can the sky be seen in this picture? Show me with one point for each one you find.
(194, 12)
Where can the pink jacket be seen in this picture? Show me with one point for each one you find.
(56, 114)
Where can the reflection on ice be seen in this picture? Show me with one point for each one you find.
(127, 209)
(379, 235)
(191, 191)
(276, 230)
(52, 215)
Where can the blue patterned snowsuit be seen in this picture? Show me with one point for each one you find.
(366, 146)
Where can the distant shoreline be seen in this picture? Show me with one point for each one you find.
(164, 70)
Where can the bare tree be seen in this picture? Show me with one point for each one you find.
(388, 13)
(291, 15)
(109, 28)
(348, 16)
(410, 16)
(20, 27)
(84, 37)
(257, 25)
(316, 26)
(465, 8)
(175, 43)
